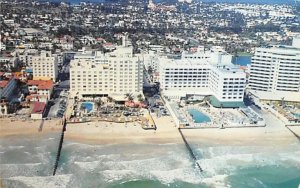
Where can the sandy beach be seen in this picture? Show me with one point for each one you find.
(114, 133)
(13, 128)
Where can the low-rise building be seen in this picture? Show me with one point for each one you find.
(38, 110)
(40, 87)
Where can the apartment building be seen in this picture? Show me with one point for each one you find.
(26, 56)
(44, 66)
(276, 68)
(115, 73)
(275, 72)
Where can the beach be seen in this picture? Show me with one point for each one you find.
(9, 127)
(101, 154)
(114, 133)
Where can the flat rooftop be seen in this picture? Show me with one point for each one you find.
(277, 95)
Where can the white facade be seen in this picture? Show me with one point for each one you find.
(227, 83)
(45, 66)
(296, 41)
(212, 55)
(26, 57)
(201, 77)
(2, 46)
(115, 73)
(275, 69)
(3, 108)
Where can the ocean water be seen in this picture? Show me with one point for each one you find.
(28, 162)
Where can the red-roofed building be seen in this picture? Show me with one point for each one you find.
(7, 88)
(109, 46)
(40, 87)
(38, 110)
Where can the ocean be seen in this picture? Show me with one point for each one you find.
(28, 162)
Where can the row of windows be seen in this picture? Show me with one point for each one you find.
(186, 69)
(186, 83)
(232, 97)
(234, 83)
(186, 73)
(179, 86)
(233, 93)
(240, 86)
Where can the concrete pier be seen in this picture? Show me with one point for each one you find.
(190, 150)
(60, 146)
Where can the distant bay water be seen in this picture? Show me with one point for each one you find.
(242, 60)
(254, 1)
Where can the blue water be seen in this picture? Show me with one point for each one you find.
(198, 116)
(242, 60)
(296, 115)
(28, 162)
(88, 105)
(253, 1)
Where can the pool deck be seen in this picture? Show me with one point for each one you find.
(220, 118)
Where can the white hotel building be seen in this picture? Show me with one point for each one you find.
(275, 73)
(44, 66)
(220, 79)
(114, 74)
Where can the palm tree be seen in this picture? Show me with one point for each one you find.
(140, 98)
(110, 99)
(282, 102)
(129, 96)
(98, 103)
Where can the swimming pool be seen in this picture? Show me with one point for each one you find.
(296, 115)
(89, 106)
(198, 116)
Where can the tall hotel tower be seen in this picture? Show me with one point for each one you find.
(275, 71)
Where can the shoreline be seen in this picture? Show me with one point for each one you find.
(100, 133)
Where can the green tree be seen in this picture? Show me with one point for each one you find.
(140, 98)
(129, 96)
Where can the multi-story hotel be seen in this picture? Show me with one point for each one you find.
(224, 81)
(275, 72)
(114, 74)
(44, 66)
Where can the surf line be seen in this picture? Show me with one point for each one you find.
(188, 147)
(60, 146)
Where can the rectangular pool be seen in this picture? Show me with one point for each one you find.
(198, 116)
(89, 106)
